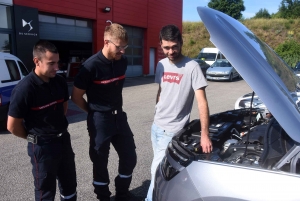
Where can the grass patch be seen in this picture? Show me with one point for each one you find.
(272, 31)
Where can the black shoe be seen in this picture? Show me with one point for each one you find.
(124, 197)
(104, 199)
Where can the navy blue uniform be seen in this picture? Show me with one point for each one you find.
(103, 81)
(40, 104)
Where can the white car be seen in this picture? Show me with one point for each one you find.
(221, 69)
(12, 70)
(245, 102)
(252, 158)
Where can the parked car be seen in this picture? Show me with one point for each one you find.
(203, 65)
(12, 70)
(297, 69)
(252, 159)
(221, 69)
(245, 102)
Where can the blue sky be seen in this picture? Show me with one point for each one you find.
(252, 6)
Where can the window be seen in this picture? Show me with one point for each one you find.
(5, 17)
(81, 23)
(65, 21)
(47, 18)
(13, 70)
(5, 43)
(24, 70)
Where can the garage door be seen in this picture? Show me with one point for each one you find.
(65, 29)
(134, 52)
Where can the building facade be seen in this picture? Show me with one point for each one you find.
(76, 27)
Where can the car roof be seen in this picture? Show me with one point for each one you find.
(258, 64)
(4, 55)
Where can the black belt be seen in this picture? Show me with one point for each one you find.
(113, 112)
(34, 138)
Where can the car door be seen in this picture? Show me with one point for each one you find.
(10, 80)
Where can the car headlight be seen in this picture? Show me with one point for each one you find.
(168, 171)
(226, 72)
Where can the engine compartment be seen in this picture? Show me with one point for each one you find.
(240, 137)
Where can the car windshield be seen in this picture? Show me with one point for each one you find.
(221, 64)
(207, 56)
(297, 67)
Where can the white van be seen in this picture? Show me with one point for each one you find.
(210, 55)
(12, 70)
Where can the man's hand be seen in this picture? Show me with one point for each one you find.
(77, 98)
(15, 126)
(206, 144)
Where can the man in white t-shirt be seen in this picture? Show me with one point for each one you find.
(179, 79)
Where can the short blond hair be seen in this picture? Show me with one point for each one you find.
(115, 31)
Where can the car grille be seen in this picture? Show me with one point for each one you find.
(216, 75)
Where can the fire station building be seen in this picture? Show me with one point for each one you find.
(76, 28)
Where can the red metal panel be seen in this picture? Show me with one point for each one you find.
(130, 12)
(161, 13)
(78, 8)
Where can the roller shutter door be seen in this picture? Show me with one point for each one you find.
(134, 52)
(65, 29)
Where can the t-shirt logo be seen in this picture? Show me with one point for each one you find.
(172, 77)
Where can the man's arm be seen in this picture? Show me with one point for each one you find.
(158, 94)
(65, 107)
(206, 143)
(15, 126)
(77, 98)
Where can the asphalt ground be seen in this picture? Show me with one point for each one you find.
(16, 181)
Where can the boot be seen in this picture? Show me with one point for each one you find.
(122, 188)
(102, 192)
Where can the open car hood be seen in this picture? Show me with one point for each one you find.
(264, 71)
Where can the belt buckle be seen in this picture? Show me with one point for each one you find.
(60, 134)
(32, 138)
(114, 112)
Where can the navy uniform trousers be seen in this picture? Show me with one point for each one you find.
(105, 128)
(53, 158)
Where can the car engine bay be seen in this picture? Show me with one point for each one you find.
(242, 137)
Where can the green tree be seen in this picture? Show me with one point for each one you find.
(232, 8)
(262, 13)
(289, 9)
(289, 51)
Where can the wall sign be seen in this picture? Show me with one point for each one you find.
(27, 32)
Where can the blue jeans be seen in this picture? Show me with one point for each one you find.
(160, 140)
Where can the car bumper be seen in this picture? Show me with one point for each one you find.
(211, 77)
(172, 189)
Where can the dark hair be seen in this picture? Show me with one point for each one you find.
(41, 47)
(170, 33)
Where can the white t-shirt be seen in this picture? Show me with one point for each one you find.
(178, 84)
